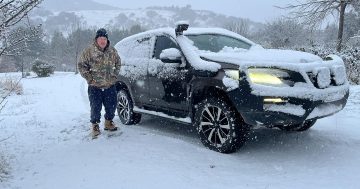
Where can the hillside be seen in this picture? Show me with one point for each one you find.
(74, 5)
(54, 16)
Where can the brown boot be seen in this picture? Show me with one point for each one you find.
(95, 130)
(109, 126)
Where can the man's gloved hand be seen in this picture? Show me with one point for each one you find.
(92, 82)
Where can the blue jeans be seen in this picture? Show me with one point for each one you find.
(99, 97)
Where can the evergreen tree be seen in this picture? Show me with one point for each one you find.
(59, 51)
(77, 41)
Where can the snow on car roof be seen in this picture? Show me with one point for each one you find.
(221, 31)
(149, 33)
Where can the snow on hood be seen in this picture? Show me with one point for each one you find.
(259, 55)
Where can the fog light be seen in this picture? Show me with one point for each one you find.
(274, 100)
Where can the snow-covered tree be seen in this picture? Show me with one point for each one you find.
(34, 49)
(240, 26)
(329, 34)
(314, 12)
(12, 40)
(285, 33)
(352, 25)
(356, 5)
(11, 13)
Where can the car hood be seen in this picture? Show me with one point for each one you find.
(266, 56)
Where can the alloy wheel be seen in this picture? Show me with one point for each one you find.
(123, 106)
(215, 125)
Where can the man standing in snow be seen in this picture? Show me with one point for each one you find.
(99, 64)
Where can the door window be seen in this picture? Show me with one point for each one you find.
(163, 42)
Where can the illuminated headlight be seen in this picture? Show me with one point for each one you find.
(268, 76)
(233, 74)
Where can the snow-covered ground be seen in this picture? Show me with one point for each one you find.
(49, 146)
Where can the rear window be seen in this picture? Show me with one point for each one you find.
(139, 48)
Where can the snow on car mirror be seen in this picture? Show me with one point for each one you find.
(171, 55)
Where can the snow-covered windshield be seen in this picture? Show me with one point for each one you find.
(215, 42)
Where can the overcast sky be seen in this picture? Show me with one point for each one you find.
(256, 10)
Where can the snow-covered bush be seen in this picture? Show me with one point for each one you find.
(42, 69)
(351, 58)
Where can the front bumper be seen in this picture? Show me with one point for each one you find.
(294, 108)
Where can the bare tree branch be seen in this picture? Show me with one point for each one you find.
(11, 13)
(18, 40)
(2, 106)
(2, 140)
(314, 12)
(241, 27)
(5, 4)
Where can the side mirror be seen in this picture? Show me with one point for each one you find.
(171, 55)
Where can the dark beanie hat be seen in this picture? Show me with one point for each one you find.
(101, 33)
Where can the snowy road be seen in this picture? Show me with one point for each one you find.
(49, 147)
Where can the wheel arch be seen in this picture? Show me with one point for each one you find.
(121, 85)
(201, 94)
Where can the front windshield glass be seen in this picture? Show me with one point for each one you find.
(215, 42)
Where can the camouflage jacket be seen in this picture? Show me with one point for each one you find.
(99, 68)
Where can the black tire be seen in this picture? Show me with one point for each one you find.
(298, 127)
(125, 109)
(219, 126)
